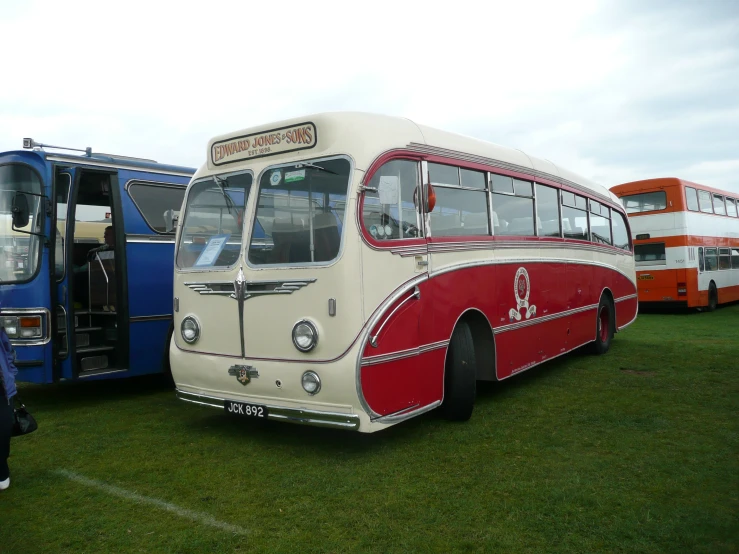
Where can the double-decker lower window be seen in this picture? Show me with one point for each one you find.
(650, 254)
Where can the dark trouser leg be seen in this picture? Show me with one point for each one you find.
(6, 426)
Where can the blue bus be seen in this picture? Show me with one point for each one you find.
(86, 261)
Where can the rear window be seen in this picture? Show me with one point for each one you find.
(650, 254)
(645, 202)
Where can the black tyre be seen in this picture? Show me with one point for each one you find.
(712, 297)
(604, 327)
(459, 375)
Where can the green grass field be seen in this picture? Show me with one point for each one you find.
(635, 451)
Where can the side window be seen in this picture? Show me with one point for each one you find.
(691, 195)
(154, 200)
(547, 211)
(620, 231)
(718, 204)
(600, 223)
(701, 263)
(705, 201)
(711, 259)
(724, 259)
(574, 216)
(461, 202)
(731, 207)
(735, 258)
(390, 213)
(513, 206)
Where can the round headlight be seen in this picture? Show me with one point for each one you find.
(311, 382)
(305, 336)
(190, 329)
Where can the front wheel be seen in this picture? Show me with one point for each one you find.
(459, 375)
(604, 327)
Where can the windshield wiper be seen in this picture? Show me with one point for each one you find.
(229, 201)
(314, 166)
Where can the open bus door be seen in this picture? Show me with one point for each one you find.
(90, 283)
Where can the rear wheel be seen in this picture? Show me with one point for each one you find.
(712, 297)
(459, 375)
(604, 327)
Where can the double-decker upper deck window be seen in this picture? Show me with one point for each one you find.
(731, 207)
(645, 202)
(389, 211)
(691, 195)
(211, 229)
(461, 203)
(513, 206)
(574, 216)
(600, 223)
(705, 201)
(547, 211)
(718, 204)
(153, 201)
(297, 219)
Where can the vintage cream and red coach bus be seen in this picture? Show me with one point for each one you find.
(367, 269)
(686, 239)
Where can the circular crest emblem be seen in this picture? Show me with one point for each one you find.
(522, 286)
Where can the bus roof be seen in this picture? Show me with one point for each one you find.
(108, 160)
(368, 135)
(643, 185)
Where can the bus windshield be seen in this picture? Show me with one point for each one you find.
(300, 211)
(19, 251)
(211, 229)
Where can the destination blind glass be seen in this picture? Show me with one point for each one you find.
(213, 220)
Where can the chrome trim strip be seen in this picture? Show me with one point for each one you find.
(416, 294)
(543, 319)
(403, 415)
(93, 163)
(43, 312)
(291, 415)
(402, 354)
(156, 239)
(229, 288)
(135, 318)
(629, 297)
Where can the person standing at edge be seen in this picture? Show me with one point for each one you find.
(7, 392)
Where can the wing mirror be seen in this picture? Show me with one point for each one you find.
(20, 210)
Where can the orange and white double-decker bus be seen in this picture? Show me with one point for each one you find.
(686, 241)
(353, 271)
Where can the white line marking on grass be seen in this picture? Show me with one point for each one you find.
(128, 495)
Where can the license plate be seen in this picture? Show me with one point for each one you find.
(244, 409)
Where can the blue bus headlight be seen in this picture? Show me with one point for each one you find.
(305, 336)
(190, 329)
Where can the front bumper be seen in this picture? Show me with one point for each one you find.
(278, 413)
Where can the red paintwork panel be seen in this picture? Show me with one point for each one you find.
(499, 292)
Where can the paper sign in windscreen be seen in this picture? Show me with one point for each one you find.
(212, 250)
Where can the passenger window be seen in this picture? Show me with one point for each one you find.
(711, 259)
(718, 204)
(547, 211)
(153, 201)
(735, 258)
(705, 202)
(724, 260)
(390, 213)
(443, 174)
(600, 224)
(731, 207)
(513, 212)
(691, 195)
(620, 230)
(458, 211)
(574, 217)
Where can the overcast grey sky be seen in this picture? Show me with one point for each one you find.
(615, 91)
